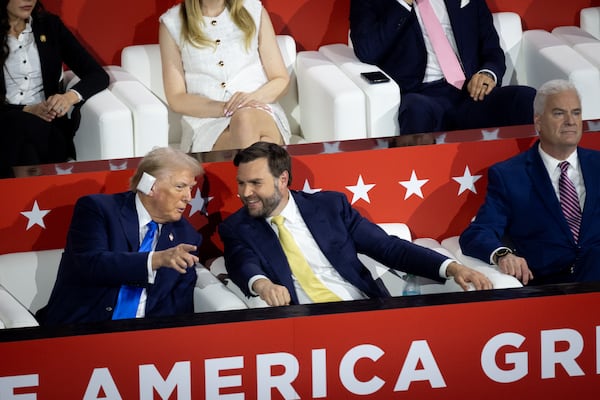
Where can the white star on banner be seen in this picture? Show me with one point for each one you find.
(360, 190)
(307, 189)
(63, 171)
(35, 216)
(467, 181)
(329, 148)
(413, 186)
(199, 203)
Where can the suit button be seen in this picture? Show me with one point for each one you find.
(109, 309)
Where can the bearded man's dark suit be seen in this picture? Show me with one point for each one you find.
(252, 247)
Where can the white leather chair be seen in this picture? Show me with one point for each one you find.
(589, 20)
(210, 294)
(106, 128)
(381, 99)
(154, 122)
(332, 105)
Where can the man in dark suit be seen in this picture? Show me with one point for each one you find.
(391, 35)
(102, 260)
(521, 227)
(327, 230)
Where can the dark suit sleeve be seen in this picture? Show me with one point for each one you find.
(490, 54)
(80, 61)
(241, 260)
(99, 250)
(391, 251)
(375, 28)
(485, 233)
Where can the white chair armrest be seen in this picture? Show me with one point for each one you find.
(12, 313)
(397, 229)
(332, 106)
(106, 127)
(589, 20)
(382, 100)
(217, 268)
(510, 31)
(150, 115)
(499, 279)
(211, 295)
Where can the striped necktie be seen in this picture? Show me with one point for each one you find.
(129, 296)
(569, 200)
(313, 287)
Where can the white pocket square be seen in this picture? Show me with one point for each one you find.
(464, 3)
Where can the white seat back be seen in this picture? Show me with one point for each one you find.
(29, 276)
(589, 20)
(509, 28)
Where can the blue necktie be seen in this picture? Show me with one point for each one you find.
(129, 296)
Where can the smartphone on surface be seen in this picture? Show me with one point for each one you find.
(375, 77)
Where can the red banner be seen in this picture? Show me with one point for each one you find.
(534, 348)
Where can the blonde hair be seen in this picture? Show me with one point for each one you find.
(162, 160)
(192, 22)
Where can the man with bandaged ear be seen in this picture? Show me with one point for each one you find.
(130, 254)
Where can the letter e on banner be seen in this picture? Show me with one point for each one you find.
(8, 384)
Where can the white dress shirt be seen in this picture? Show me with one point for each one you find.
(144, 218)
(22, 69)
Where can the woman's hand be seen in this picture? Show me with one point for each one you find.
(54, 106)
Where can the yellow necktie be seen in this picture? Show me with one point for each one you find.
(313, 287)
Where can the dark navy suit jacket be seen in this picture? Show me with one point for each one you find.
(102, 254)
(522, 211)
(252, 246)
(386, 34)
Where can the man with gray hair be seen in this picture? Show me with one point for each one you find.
(131, 254)
(539, 219)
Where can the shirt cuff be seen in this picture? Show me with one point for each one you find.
(151, 272)
(444, 267)
(489, 71)
(251, 282)
(77, 93)
(494, 252)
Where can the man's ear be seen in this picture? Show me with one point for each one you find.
(284, 178)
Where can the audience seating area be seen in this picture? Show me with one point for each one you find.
(532, 58)
(327, 100)
(27, 278)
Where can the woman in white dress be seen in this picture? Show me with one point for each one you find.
(223, 71)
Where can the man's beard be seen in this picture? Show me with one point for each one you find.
(268, 205)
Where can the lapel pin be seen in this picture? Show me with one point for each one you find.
(171, 237)
(43, 38)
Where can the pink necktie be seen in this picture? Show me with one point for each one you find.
(441, 46)
(569, 200)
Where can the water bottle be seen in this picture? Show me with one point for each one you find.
(411, 288)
